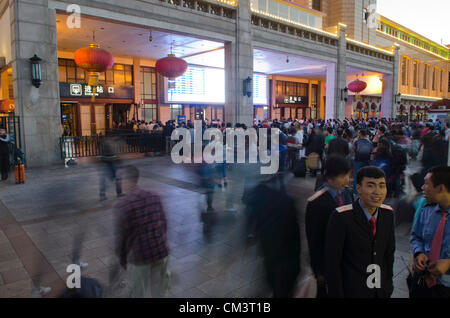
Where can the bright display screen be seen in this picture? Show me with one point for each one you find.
(207, 85)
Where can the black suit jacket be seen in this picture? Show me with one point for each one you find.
(318, 210)
(338, 146)
(350, 248)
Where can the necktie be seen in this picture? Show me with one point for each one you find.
(339, 199)
(373, 223)
(436, 245)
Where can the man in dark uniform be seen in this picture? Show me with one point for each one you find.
(360, 242)
(332, 194)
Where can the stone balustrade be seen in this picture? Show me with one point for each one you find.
(221, 8)
(297, 30)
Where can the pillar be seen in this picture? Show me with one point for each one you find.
(33, 31)
(239, 66)
(335, 108)
(390, 89)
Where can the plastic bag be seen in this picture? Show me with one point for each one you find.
(307, 287)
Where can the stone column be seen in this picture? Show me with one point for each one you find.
(331, 92)
(390, 89)
(33, 31)
(341, 74)
(239, 66)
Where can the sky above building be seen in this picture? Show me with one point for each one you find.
(428, 18)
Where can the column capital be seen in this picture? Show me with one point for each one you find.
(342, 28)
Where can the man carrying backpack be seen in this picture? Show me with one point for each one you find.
(362, 148)
(398, 165)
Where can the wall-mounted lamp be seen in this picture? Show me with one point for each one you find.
(247, 87)
(36, 71)
(344, 94)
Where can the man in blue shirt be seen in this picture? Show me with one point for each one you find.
(430, 237)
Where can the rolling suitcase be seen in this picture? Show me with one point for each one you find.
(300, 168)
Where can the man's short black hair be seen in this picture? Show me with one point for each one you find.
(369, 172)
(131, 173)
(340, 132)
(440, 175)
(330, 130)
(336, 165)
(363, 132)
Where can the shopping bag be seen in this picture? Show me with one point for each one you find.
(307, 287)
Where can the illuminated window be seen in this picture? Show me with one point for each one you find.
(426, 68)
(175, 111)
(316, 5)
(433, 80)
(405, 76)
(148, 85)
(149, 112)
(120, 74)
(416, 73)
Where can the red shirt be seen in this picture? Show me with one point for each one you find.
(141, 227)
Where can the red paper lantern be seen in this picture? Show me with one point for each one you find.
(373, 106)
(357, 86)
(171, 66)
(359, 105)
(93, 59)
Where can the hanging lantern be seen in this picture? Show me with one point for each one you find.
(171, 67)
(357, 86)
(95, 61)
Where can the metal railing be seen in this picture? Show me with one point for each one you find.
(91, 146)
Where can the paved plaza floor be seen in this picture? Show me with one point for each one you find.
(41, 219)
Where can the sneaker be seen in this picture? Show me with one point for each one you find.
(83, 264)
(44, 290)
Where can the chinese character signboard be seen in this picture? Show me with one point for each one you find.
(294, 100)
(101, 91)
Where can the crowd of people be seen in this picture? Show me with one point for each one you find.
(350, 230)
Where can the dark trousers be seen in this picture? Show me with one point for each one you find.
(321, 290)
(110, 172)
(281, 276)
(4, 165)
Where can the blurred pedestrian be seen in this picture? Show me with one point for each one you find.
(142, 244)
(4, 153)
(278, 235)
(109, 161)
